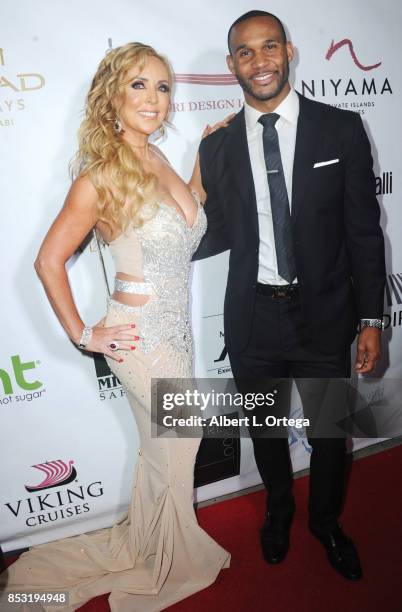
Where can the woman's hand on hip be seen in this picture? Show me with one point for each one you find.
(109, 340)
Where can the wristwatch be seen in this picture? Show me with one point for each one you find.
(85, 337)
(379, 323)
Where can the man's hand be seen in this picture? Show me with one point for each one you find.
(368, 349)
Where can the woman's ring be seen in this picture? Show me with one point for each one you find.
(114, 346)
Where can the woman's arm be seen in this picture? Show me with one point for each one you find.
(76, 219)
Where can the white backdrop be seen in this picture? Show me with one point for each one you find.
(56, 409)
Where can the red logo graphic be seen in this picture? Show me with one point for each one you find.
(346, 41)
(206, 79)
(57, 472)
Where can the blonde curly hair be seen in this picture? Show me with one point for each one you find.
(122, 184)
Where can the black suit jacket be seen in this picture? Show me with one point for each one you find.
(338, 241)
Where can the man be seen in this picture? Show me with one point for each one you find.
(291, 192)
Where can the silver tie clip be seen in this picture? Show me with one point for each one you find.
(272, 171)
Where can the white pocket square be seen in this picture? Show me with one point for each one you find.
(326, 163)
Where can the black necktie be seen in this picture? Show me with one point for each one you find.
(279, 198)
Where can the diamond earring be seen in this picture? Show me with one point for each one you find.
(117, 126)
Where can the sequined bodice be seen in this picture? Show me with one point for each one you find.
(164, 245)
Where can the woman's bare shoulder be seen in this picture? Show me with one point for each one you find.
(83, 185)
(82, 197)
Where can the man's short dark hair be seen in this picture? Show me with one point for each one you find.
(251, 14)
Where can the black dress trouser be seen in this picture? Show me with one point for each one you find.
(279, 347)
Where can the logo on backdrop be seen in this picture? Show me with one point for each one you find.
(214, 353)
(56, 505)
(383, 183)
(16, 88)
(221, 363)
(351, 91)
(348, 43)
(57, 473)
(109, 386)
(228, 103)
(19, 382)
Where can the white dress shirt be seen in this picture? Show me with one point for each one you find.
(286, 127)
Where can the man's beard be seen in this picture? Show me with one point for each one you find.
(269, 95)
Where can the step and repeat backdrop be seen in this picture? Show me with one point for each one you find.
(68, 439)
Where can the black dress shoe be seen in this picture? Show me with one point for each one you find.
(341, 553)
(274, 537)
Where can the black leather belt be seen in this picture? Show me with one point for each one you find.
(287, 292)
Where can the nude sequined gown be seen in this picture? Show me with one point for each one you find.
(158, 554)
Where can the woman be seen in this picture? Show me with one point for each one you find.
(153, 223)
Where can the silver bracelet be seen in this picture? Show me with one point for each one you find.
(85, 337)
(379, 323)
